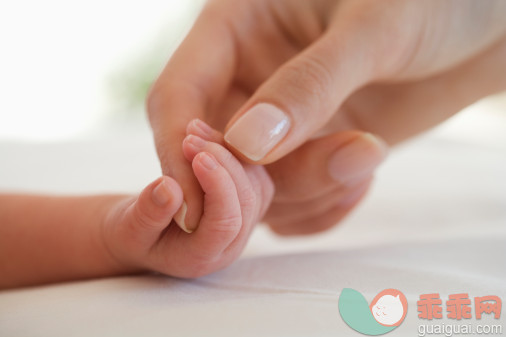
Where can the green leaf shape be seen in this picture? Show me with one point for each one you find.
(355, 312)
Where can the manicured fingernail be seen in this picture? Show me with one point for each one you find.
(202, 127)
(258, 131)
(180, 216)
(357, 159)
(196, 142)
(161, 194)
(208, 161)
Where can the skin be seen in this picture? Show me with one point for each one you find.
(52, 239)
(393, 68)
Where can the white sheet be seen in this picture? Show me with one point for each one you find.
(434, 222)
(282, 295)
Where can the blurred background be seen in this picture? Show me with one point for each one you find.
(73, 79)
(77, 69)
(70, 69)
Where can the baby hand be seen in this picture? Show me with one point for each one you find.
(140, 233)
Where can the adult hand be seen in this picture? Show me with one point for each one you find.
(276, 74)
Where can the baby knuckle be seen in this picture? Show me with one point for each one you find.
(248, 196)
(203, 263)
(227, 224)
(141, 219)
(199, 270)
(224, 156)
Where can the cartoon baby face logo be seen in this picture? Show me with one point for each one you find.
(389, 307)
(385, 313)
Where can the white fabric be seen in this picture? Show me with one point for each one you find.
(434, 222)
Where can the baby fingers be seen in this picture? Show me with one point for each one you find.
(192, 145)
(141, 221)
(201, 252)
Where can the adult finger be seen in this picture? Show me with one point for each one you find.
(315, 223)
(301, 97)
(294, 211)
(397, 111)
(326, 164)
(198, 73)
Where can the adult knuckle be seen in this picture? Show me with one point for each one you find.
(311, 76)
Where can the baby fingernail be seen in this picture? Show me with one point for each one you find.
(357, 159)
(196, 142)
(208, 161)
(202, 127)
(258, 131)
(161, 194)
(180, 216)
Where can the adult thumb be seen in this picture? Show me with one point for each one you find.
(300, 98)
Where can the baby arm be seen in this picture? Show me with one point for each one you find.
(49, 239)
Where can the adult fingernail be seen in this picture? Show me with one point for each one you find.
(180, 216)
(161, 194)
(258, 131)
(357, 159)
